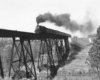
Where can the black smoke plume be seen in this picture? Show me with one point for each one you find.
(64, 20)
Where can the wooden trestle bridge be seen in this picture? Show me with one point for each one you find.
(53, 44)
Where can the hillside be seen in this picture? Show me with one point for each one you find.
(76, 66)
(80, 59)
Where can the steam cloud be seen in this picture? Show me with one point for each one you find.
(64, 20)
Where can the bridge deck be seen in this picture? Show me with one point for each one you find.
(46, 33)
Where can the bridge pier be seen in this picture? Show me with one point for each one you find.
(22, 57)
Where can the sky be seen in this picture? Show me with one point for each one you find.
(21, 14)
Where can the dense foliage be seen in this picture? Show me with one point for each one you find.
(94, 54)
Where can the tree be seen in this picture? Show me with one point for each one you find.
(94, 54)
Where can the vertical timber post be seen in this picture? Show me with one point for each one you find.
(1, 68)
(32, 59)
(11, 56)
(25, 63)
(67, 49)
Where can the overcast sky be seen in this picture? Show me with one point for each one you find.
(21, 14)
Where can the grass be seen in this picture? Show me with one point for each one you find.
(86, 76)
(77, 78)
(63, 77)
